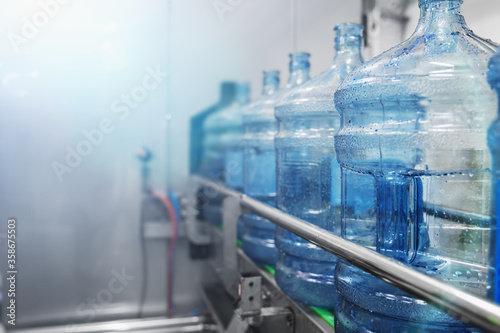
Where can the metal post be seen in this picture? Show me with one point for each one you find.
(231, 212)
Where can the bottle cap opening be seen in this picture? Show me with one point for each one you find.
(426, 2)
(271, 73)
(349, 29)
(300, 56)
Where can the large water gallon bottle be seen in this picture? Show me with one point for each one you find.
(259, 171)
(212, 165)
(199, 158)
(260, 167)
(308, 175)
(494, 144)
(231, 142)
(231, 119)
(415, 171)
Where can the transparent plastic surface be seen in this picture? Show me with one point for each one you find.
(494, 144)
(222, 144)
(259, 176)
(260, 159)
(231, 138)
(416, 169)
(231, 142)
(213, 158)
(212, 165)
(308, 175)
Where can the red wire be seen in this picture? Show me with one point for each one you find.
(171, 213)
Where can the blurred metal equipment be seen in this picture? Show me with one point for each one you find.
(198, 232)
(251, 313)
(465, 307)
(241, 296)
(154, 325)
(384, 22)
(260, 306)
(232, 211)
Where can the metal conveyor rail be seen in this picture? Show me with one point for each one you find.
(461, 305)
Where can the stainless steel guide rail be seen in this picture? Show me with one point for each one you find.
(461, 305)
(144, 325)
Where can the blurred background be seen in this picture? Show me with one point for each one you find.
(85, 85)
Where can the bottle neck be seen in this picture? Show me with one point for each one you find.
(243, 93)
(441, 16)
(348, 54)
(299, 69)
(268, 89)
(227, 93)
(297, 77)
(271, 83)
(348, 43)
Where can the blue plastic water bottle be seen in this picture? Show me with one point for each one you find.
(260, 163)
(415, 171)
(259, 172)
(212, 159)
(308, 174)
(230, 120)
(231, 138)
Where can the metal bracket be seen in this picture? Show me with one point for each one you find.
(250, 295)
(231, 212)
(198, 232)
(251, 314)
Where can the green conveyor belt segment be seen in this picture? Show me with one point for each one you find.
(270, 269)
(326, 315)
